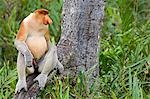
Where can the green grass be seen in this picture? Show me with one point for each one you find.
(124, 54)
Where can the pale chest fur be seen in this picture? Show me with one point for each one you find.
(37, 45)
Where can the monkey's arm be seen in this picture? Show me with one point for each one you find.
(21, 45)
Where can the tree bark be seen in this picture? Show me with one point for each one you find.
(78, 46)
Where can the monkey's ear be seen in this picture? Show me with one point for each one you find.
(41, 11)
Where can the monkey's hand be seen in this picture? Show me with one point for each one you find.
(20, 85)
(23, 48)
(60, 67)
(41, 78)
(28, 59)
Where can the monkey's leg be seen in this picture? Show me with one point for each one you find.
(48, 59)
(47, 65)
(58, 66)
(21, 73)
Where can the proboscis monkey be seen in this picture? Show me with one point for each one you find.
(34, 46)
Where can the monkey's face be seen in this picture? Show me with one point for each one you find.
(42, 16)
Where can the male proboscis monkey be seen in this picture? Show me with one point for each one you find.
(34, 46)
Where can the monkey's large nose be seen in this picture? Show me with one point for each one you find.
(47, 20)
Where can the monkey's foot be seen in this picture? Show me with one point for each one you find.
(41, 78)
(20, 85)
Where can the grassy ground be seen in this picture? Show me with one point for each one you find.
(124, 53)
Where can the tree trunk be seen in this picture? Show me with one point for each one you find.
(78, 46)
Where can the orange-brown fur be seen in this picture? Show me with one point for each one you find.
(21, 35)
(34, 31)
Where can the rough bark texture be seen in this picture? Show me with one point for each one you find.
(78, 46)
